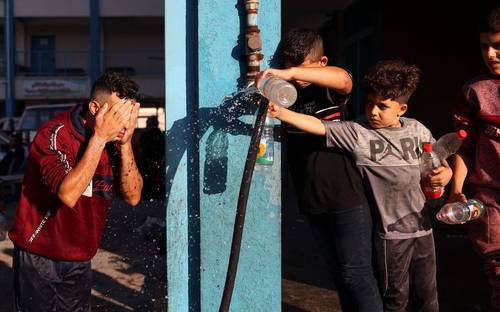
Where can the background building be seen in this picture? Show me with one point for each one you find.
(54, 57)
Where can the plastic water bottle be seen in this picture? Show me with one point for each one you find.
(429, 161)
(278, 91)
(460, 212)
(265, 155)
(3, 226)
(449, 144)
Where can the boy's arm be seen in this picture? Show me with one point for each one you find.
(464, 117)
(303, 122)
(460, 165)
(331, 77)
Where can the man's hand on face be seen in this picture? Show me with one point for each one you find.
(110, 121)
(130, 125)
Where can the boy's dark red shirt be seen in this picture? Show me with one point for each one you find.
(68, 234)
(478, 113)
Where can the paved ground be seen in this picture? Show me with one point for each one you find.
(129, 272)
(307, 285)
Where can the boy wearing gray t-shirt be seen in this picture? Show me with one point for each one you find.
(386, 149)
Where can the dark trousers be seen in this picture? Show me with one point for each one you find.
(42, 284)
(485, 235)
(408, 274)
(346, 236)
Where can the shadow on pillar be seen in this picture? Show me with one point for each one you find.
(224, 120)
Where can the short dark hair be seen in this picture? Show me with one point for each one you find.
(114, 82)
(298, 44)
(490, 22)
(392, 79)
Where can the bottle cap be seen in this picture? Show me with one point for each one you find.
(436, 195)
(427, 147)
(462, 134)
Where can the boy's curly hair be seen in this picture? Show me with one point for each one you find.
(392, 79)
(299, 44)
(490, 22)
(114, 82)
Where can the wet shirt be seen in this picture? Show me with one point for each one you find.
(42, 224)
(389, 160)
(324, 179)
(478, 112)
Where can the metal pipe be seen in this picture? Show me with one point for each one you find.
(95, 41)
(254, 57)
(253, 41)
(10, 62)
(239, 221)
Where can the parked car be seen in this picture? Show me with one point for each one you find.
(4, 143)
(36, 115)
(9, 123)
(8, 141)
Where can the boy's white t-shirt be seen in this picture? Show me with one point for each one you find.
(388, 159)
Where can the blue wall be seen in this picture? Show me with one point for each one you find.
(207, 142)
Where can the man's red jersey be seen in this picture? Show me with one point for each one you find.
(43, 225)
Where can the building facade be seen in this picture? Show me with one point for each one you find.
(53, 50)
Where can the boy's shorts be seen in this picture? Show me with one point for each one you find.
(42, 284)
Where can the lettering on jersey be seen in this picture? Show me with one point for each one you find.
(103, 186)
(308, 108)
(407, 149)
(388, 152)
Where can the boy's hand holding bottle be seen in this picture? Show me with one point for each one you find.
(283, 74)
(434, 174)
(274, 110)
(456, 197)
(440, 176)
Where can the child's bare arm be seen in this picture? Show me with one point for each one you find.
(331, 77)
(460, 166)
(303, 122)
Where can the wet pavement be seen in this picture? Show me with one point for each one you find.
(129, 271)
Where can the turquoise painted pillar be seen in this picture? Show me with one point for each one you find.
(208, 134)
